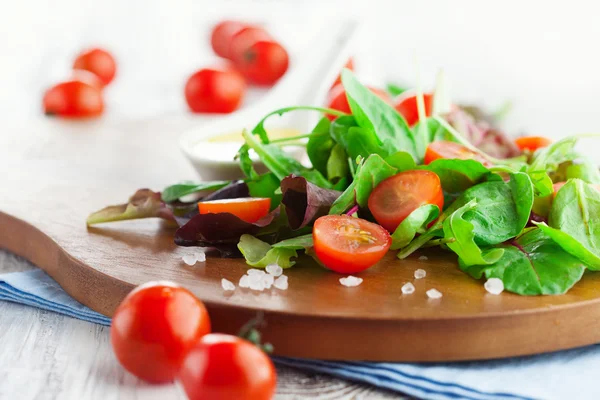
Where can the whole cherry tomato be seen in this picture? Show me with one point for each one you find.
(263, 62)
(222, 35)
(349, 65)
(154, 328)
(225, 367)
(348, 245)
(338, 101)
(73, 99)
(406, 104)
(244, 38)
(215, 90)
(87, 77)
(98, 61)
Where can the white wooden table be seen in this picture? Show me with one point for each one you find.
(47, 356)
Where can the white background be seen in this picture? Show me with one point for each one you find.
(541, 55)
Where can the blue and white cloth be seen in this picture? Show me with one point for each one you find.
(568, 375)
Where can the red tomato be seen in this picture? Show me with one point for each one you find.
(349, 65)
(396, 197)
(532, 143)
(98, 61)
(348, 245)
(338, 101)
(73, 99)
(215, 91)
(87, 77)
(154, 327)
(224, 367)
(263, 63)
(222, 35)
(249, 209)
(244, 39)
(451, 150)
(406, 104)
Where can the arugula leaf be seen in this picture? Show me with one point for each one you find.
(260, 254)
(297, 243)
(356, 141)
(305, 202)
(319, 146)
(370, 174)
(337, 164)
(574, 223)
(376, 115)
(265, 185)
(281, 164)
(413, 224)
(533, 264)
(457, 175)
(143, 204)
(175, 192)
(246, 163)
(458, 228)
(502, 210)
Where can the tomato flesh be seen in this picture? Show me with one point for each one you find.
(154, 327)
(532, 143)
(99, 62)
(222, 36)
(397, 197)
(215, 91)
(348, 245)
(224, 367)
(406, 104)
(452, 150)
(249, 209)
(337, 99)
(73, 99)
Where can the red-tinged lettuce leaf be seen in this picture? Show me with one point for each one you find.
(143, 204)
(304, 201)
(220, 228)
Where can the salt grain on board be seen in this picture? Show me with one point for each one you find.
(254, 271)
(201, 256)
(274, 269)
(408, 288)
(258, 285)
(423, 258)
(494, 286)
(244, 281)
(420, 274)
(190, 259)
(227, 285)
(268, 279)
(351, 281)
(434, 294)
(281, 283)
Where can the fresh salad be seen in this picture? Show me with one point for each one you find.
(382, 179)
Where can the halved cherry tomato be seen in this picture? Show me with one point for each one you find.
(99, 62)
(73, 99)
(532, 143)
(154, 327)
(451, 150)
(406, 104)
(348, 245)
(249, 209)
(244, 39)
(396, 197)
(215, 91)
(222, 35)
(263, 62)
(338, 101)
(349, 65)
(224, 367)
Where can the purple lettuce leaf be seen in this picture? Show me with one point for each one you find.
(143, 204)
(304, 201)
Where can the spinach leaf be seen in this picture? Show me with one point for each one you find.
(175, 192)
(305, 202)
(458, 229)
(265, 185)
(281, 164)
(402, 161)
(457, 175)
(574, 222)
(548, 158)
(374, 114)
(337, 165)
(319, 146)
(533, 264)
(395, 90)
(436, 131)
(260, 254)
(415, 223)
(585, 170)
(297, 243)
(356, 141)
(143, 204)
(502, 209)
(369, 174)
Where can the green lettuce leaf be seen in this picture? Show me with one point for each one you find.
(415, 223)
(259, 254)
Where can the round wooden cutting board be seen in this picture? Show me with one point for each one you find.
(53, 174)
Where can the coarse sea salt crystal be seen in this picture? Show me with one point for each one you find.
(420, 273)
(408, 288)
(274, 269)
(281, 282)
(351, 281)
(190, 259)
(244, 281)
(494, 286)
(434, 294)
(201, 256)
(268, 279)
(254, 271)
(227, 285)
(258, 285)
(423, 258)
(254, 278)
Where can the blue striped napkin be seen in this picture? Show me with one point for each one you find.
(563, 375)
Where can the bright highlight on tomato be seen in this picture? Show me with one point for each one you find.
(224, 367)
(397, 197)
(215, 91)
(532, 143)
(154, 328)
(348, 245)
(249, 209)
(452, 150)
(337, 99)
(406, 104)
(99, 62)
(73, 99)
